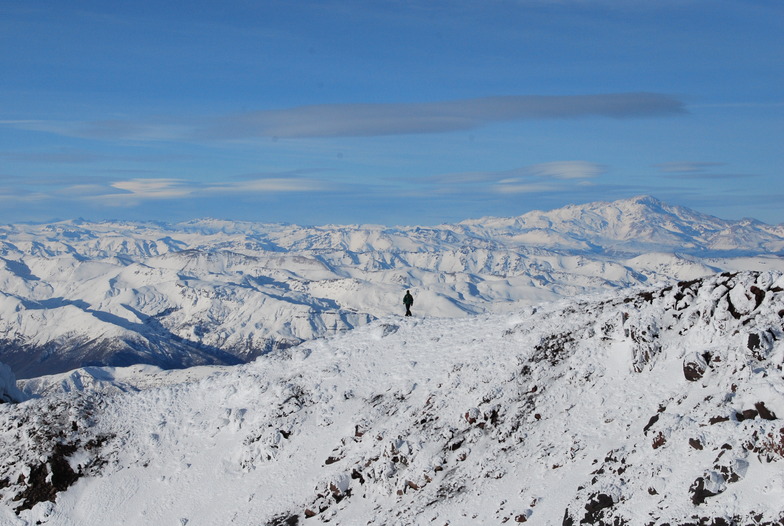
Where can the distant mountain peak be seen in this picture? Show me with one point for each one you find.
(646, 200)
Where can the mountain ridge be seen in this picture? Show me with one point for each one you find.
(653, 406)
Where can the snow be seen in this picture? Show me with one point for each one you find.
(9, 392)
(608, 363)
(210, 292)
(111, 379)
(578, 409)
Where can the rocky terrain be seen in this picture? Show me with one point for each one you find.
(658, 405)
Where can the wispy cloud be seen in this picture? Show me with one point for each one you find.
(152, 189)
(543, 177)
(62, 156)
(133, 191)
(514, 187)
(81, 156)
(364, 120)
(698, 170)
(567, 169)
(687, 166)
(268, 185)
(551, 177)
(554, 170)
(370, 120)
(714, 176)
(110, 130)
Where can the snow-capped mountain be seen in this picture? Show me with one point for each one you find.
(77, 293)
(639, 225)
(657, 405)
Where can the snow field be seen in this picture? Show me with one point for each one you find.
(578, 409)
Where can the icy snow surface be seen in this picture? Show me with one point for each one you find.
(655, 406)
(207, 292)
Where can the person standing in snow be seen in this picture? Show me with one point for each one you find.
(408, 300)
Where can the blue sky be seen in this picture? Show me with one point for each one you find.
(391, 112)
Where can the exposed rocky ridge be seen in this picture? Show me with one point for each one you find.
(658, 406)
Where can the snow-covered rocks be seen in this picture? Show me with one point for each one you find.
(9, 392)
(563, 413)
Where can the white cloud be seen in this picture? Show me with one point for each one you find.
(268, 185)
(514, 187)
(527, 179)
(153, 189)
(556, 176)
(567, 169)
(135, 190)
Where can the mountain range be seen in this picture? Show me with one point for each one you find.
(79, 293)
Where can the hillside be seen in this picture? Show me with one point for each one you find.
(77, 293)
(654, 406)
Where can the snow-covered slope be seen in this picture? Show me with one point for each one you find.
(9, 392)
(656, 406)
(202, 292)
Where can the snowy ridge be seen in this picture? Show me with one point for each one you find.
(641, 224)
(110, 379)
(203, 292)
(655, 406)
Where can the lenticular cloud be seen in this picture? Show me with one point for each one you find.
(347, 120)
(371, 120)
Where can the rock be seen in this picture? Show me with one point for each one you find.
(472, 415)
(699, 493)
(653, 420)
(694, 366)
(48, 478)
(764, 412)
(759, 295)
(596, 504)
(286, 520)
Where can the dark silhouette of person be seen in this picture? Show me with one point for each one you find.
(408, 300)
